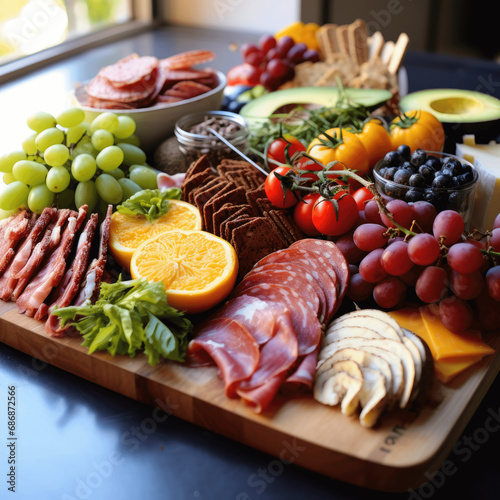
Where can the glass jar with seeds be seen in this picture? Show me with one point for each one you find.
(195, 139)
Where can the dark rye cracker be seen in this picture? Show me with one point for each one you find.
(199, 165)
(203, 193)
(285, 220)
(252, 195)
(242, 210)
(207, 210)
(280, 227)
(233, 223)
(235, 196)
(252, 241)
(195, 181)
(226, 211)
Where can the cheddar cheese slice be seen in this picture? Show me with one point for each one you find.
(455, 354)
(443, 343)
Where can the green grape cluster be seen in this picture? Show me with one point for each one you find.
(67, 162)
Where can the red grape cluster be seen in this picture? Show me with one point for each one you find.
(434, 259)
(275, 60)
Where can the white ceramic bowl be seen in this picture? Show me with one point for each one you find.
(156, 123)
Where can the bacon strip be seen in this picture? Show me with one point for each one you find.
(44, 247)
(31, 301)
(9, 281)
(91, 286)
(12, 231)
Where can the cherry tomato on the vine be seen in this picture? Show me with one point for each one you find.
(336, 216)
(274, 191)
(305, 163)
(302, 214)
(361, 196)
(280, 147)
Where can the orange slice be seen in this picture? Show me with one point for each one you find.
(197, 268)
(128, 232)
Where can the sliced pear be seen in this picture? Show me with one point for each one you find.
(339, 383)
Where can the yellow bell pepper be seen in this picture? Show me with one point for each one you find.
(301, 32)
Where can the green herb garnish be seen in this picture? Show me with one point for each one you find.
(152, 203)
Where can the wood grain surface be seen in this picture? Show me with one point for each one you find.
(391, 457)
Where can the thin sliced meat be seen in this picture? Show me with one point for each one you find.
(12, 231)
(284, 278)
(187, 59)
(277, 356)
(177, 75)
(333, 255)
(69, 285)
(304, 272)
(230, 346)
(31, 301)
(305, 322)
(130, 70)
(100, 88)
(260, 397)
(302, 377)
(318, 267)
(257, 316)
(91, 285)
(43, 248)
(166, 181)
(8, 281)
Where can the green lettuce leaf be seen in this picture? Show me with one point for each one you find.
(129, 317)
(152, 203)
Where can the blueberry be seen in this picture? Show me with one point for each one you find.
(402, 176)
(418, 157)
(382, 171)
(417, 180)
(413, 195)
(464, 178)
(395, 191)
(392, 159)
(442, 181)
(405, 151)
(453, 165)
(456, 201)
(447, 171)
(433, 162)
(427, 173)
(408, 167)
(389, 173)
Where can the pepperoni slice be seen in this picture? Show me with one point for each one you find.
(305, 321)
(187, 59)
(130, 70)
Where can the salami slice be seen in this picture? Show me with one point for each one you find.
(187, 59)
(329, 251)
(302, 378)
(304, 272)
(305, 322)
(130, 70)
(284, 278)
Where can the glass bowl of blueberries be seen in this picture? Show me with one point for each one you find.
(443, 179)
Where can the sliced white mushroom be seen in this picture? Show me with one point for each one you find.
(372, 397)
(398, 349)
(339, 383)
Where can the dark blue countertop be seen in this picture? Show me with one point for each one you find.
(77, 440)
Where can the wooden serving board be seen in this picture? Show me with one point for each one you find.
(392, 457)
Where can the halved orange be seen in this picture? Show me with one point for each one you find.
(198, 269)
(128, 232)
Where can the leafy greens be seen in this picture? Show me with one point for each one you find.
(152, 203)
(131, 316)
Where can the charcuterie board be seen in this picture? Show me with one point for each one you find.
(403, 451)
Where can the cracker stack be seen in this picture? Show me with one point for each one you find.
(234, 206)
(355, 58)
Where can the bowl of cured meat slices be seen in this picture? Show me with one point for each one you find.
(154, 92)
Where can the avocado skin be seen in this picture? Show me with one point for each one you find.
(484, 124)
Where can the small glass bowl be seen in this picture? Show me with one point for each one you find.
(460, 199)
(194, 145)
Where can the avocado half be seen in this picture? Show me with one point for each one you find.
(461, 112)
(263, 107)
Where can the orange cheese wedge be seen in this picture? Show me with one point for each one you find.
(452, 353)
(443, 343)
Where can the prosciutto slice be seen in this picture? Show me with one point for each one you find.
(91, 285)
(31, 301)
(69, 285)
(8, 281)
(12, 231)
(230, 346)
(44, 247)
